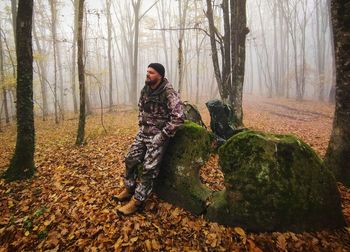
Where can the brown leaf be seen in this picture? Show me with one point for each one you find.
(281, 242)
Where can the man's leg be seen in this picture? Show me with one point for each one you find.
(153, 158)
(134, 157)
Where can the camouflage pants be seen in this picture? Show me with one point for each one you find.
(143, 150)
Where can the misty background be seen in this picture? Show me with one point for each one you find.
(288, 45)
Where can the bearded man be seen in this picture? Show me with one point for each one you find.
(160, 115)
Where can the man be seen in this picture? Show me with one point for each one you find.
(160, 114)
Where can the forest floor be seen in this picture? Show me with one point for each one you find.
(67, 205)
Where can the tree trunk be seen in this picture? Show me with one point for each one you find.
(22, 162)
(53, 32)
(267, 74)
(338, 152)
(214, 51)
(14, 18)
(276, 64)
(42, 75)
(239, 32)
(81, 77)
(74, 53)
(331, 96)
(2, 79)
(109, 41)
(135, 52)
(227, 68)
(161, 18)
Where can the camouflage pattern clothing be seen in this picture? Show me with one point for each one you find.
(160, 114)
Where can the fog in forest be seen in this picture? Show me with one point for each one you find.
(288, 51)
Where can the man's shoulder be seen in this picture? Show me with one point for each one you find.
(169, 89)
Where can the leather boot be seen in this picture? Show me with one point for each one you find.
(131, 207)
(123, 196)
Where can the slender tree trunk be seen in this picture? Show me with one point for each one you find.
(197, 68)
(239, 32)
(331, 96)
(161, 17)
(42, 75)
(227, 68)
(14, 4)
(250, 90)
(22, 162)
(214, 51)
(81, 76)
(61, 104)
(109, 41)
(2, 79)
(300, 95)
(53, 32)
(180, 59)
(275, 53)
(74, 53)
(135, 52)
(269, 77)
(338, 152)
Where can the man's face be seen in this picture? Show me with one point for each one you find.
(152, 77)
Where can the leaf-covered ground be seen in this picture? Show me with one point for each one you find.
(67, 206)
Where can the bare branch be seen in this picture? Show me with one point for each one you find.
(187, 28)
(148, 9)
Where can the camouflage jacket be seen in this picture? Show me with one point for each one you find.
(160, 110)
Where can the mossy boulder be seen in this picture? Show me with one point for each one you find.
(179, 181)
(275, 182)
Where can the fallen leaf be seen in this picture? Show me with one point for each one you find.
(242, 234)
(148, 245)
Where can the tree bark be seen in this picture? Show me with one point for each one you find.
(74, 53)
(81, 76)
(42, 75)
(22, 162)
(135, 52)
(2, 79)
(53, 32)
(239, 32)
(338, 152)
(180, 59)
(14, 18)
(214, 51)
(109, 41)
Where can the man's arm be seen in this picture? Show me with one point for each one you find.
(140, 106)
(175, 109)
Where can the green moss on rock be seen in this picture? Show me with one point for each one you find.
(276, 182)
(179, 181)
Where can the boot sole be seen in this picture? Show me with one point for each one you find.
(115, 198)
(140, 208)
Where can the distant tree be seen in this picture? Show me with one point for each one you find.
(42, 72)
(109, 52)
(180, 57)
(53, 7)
(338, 152)
(2, 80)
(22, 162)
(81, 76)
(232, 46)
(74, 53)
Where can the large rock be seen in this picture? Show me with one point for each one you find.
(274, 182)
(178, 180)
(222, 119)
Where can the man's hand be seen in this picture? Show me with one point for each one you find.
(159, 139)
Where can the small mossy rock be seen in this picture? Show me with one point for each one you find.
(179, 181)
(275, 182)
(218, 210)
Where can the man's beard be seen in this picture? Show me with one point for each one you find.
(150, 82)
